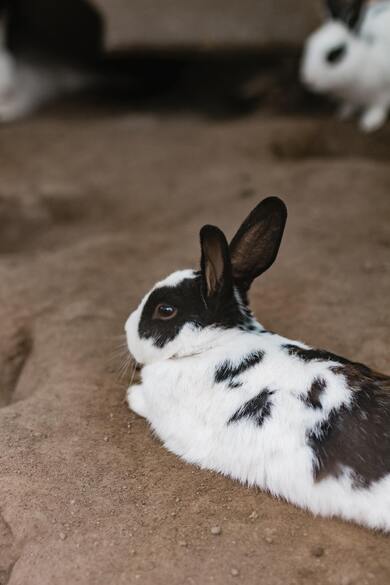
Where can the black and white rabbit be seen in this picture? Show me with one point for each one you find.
(225, 394)
(348, 57)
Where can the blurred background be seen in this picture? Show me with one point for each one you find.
(209, 51)
(125, 126)
(120, 24)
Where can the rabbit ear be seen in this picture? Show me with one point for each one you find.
(348, 11)
(256, 244)
(352, 13)
(334, 9)
(216, 267)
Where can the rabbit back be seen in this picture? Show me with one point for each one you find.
(304, 424)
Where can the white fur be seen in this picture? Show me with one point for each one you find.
(189, 411)
(361, 81)
(26, 85)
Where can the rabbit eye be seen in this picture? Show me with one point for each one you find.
(335, 55)
(164, 311)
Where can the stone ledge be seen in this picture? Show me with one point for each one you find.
(205, 24)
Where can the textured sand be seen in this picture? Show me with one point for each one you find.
(94, 207)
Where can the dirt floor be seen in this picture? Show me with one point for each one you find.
(96, 204)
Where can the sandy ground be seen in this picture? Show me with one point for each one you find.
(95, 205)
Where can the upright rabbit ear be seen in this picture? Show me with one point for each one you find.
(352, 13)
(216, 267)
(348, 11)
(256, 244)
(334, 9)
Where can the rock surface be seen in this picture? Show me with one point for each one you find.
(94, 207)
(78, 28)
(201, 23)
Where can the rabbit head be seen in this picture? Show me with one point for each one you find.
(189, 310)
(333, 54)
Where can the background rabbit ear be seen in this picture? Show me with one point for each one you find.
(348, 11)
(215, 263)
(352, 13)
(334, 9)
(256, 244)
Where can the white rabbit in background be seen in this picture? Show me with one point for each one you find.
(26, 85)
(29, 81)
(349, 58)
(224, 393)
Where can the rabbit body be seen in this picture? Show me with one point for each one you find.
(305, 425)
(352, 63)
(376, 22)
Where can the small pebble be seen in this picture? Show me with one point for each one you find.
(106, 439)
(183, 543)
(234, 572)
(253, 516)
(216, 530)
(317, 551)
(269, 539)
(62, 535)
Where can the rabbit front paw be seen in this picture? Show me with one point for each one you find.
(10, 102)
(373, 119)
(135, 400)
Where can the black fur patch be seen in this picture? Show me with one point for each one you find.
(233, 385)
(358, 436)
(249, 324)
(191, 308)
(257, 409)
(313, 397)
(308, 355)
(226, 372)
